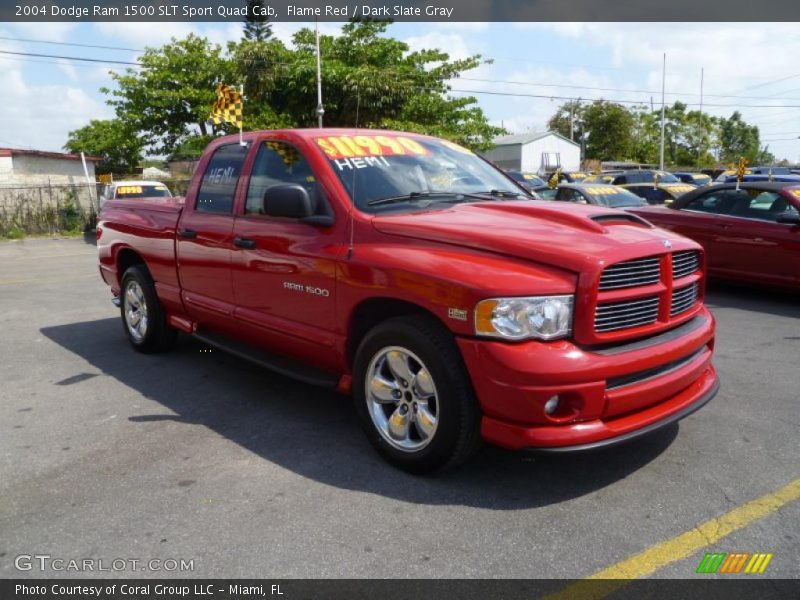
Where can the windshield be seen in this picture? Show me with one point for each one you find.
(404, 172)
(615, 197)
(142, 191)
(663, 177)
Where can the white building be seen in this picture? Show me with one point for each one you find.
(535, 152)
(37, 168)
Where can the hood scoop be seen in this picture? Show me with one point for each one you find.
(620, 219)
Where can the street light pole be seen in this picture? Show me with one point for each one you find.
(663, 110)
(320, 108)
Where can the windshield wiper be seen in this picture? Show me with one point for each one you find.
(416, 196)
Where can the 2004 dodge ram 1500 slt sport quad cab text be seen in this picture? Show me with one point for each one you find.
(414, 275)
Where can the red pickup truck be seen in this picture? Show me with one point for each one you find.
(412, 274)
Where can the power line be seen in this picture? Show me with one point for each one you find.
(515, 94)
(13, 39)
(610, 89)
(80, 58)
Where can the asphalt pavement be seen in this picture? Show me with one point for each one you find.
(195, 455)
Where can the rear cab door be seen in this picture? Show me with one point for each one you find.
(204, 237)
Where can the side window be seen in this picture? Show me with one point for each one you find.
(564, 195)
(659, 196)
(709, 203)
(639, 191)
(620, 180)
(278, 163)
(763, 206)
(219, 181)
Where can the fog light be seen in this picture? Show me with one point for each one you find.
(551, 405)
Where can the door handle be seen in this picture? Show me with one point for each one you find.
(246, 243)
(189, 234)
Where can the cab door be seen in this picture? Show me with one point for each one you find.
(284, 270)
(205, 238)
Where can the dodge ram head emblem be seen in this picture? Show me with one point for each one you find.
(667, 244)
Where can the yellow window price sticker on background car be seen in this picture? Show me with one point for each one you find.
(345, 146)
(129, 189)
(602, 191)
(680, 189)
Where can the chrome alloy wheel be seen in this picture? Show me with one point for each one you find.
(402, 399)
(135, 310)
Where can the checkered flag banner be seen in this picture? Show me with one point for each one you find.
(741, 169)
(228, 108)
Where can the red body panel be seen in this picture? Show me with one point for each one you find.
(438, 261)
(739, 249)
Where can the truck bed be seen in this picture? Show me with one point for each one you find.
(148, 225)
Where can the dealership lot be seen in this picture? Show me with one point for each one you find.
(195, 455)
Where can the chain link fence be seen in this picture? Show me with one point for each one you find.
(51, 209)
(48, 208)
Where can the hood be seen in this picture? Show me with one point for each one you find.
(564, 235)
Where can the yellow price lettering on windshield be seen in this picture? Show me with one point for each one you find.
(129, 189)
(681, 189)
(601, 191)
(357, 146)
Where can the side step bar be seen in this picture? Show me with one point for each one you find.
(278, 364)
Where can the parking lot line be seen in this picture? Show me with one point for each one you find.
(682, 546)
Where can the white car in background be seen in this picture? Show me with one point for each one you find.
(133, 189)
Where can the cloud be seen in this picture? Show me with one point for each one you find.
(39, 116)
(51, 32)
(139, 34)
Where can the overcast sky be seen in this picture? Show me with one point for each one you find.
(750, 67)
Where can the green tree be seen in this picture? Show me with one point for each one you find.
(369, 80)
(169, 98)
(737, 139)
(571, 110)
(113, 140)
(256, 27)
(609, 128)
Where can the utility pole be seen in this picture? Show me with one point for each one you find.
(702, 124)
(663, 110)
(571, 124)
(320, 109)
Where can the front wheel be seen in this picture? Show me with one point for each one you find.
(143, 318)
(414, 397)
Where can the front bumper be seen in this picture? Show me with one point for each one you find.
(606, 395)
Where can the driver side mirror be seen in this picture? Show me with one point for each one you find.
(789, 217)
(290, 200)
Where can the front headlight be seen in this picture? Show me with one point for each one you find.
(539, 317)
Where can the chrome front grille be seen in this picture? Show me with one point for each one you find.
(683, 299)
(623, 315)
(631, 273)
(684, 263)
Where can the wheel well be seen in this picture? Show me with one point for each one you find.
(126, 258)
(370, 313)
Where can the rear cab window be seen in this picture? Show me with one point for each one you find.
(218, 186)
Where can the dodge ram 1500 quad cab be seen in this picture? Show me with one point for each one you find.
(412, 274)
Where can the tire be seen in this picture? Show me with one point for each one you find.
(427, 420)
(143, 318)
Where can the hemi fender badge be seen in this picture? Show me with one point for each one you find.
(458, 314)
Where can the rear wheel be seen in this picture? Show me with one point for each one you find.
(414, 397)
(143, 318)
